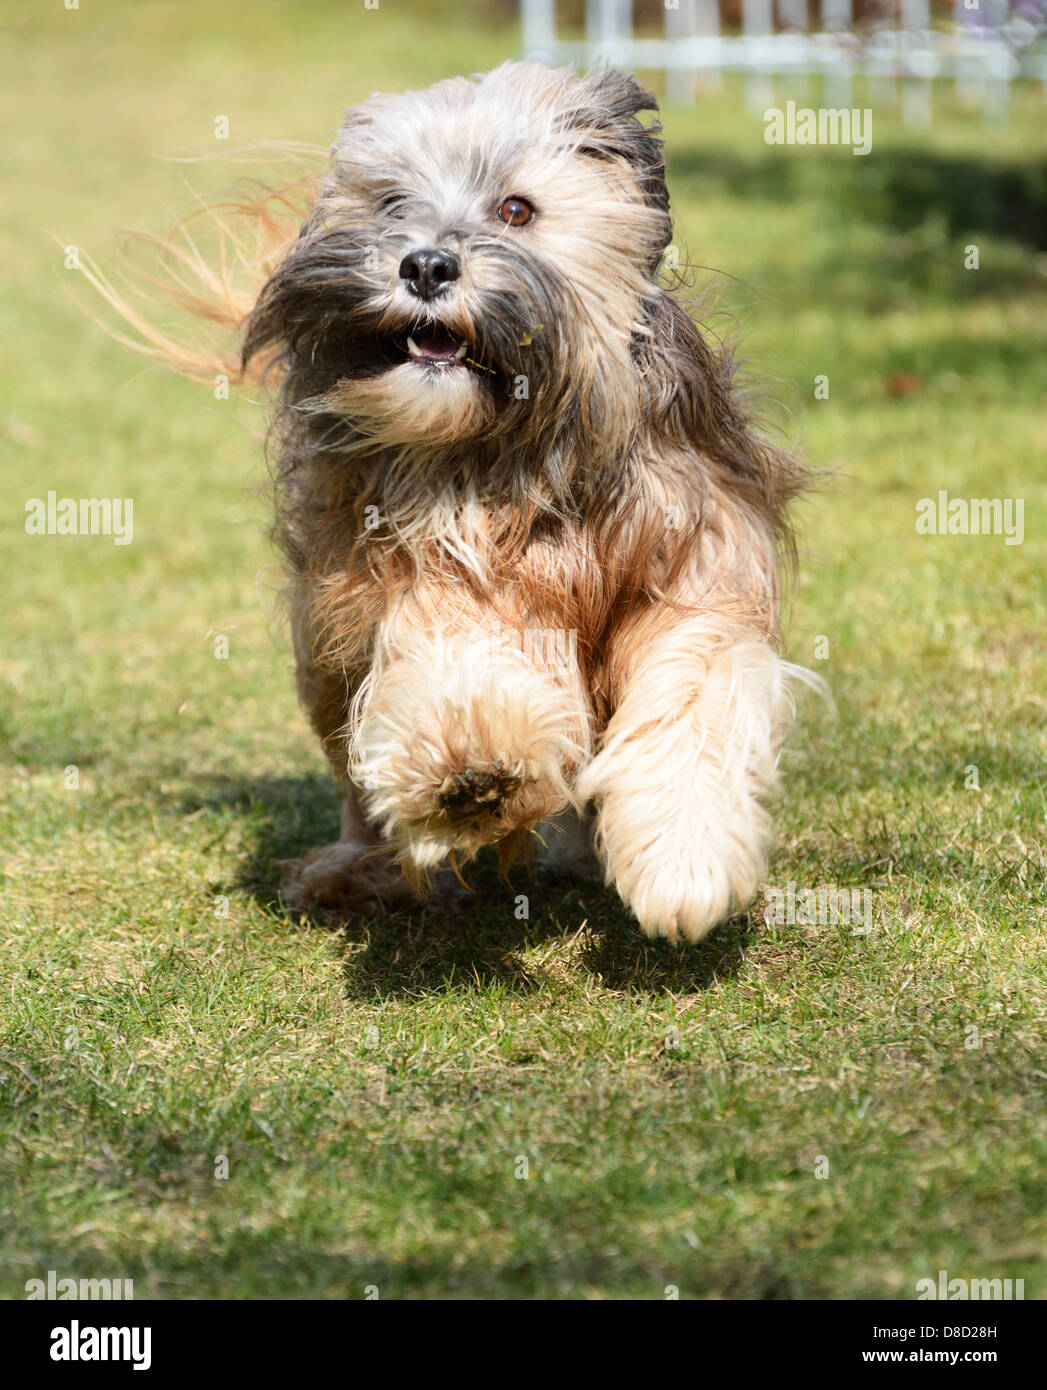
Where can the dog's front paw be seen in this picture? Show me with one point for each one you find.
(475, 793)
(471, 752)
(682, 879)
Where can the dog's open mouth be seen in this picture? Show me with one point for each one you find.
(431, 344)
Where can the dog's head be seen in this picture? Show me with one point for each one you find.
(478, 262)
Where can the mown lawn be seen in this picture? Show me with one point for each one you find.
(380, 1090)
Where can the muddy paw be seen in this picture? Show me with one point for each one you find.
(475, 793)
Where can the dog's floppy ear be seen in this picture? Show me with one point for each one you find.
(692, 400)
(605, 113)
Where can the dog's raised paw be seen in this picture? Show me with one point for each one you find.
(474, 793)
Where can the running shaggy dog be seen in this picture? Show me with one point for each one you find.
(534, 543)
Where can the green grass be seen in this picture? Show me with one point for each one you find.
(375, 1086)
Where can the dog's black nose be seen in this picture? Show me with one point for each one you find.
(426, 272)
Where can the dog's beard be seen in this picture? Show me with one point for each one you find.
(509, 354)
(412, 404)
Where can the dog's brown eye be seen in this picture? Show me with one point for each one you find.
(516, 211)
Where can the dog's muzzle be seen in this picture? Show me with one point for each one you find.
(427, 273)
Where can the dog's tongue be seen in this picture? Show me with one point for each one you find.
(435, 341)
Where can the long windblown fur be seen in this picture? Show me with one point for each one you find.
(586, 470)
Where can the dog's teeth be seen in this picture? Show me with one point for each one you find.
(412, 348)
(463, 348)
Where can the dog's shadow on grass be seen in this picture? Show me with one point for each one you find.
(484, 940)
(486, 937)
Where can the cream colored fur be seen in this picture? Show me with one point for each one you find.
(585, 467)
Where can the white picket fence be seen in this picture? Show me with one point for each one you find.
(983, 50)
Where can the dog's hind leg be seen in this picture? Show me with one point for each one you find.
(567, 845)
(355, 874)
